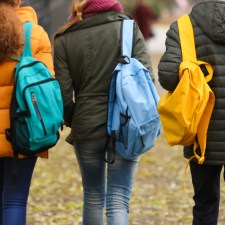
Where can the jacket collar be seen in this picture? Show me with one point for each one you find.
(98, 19)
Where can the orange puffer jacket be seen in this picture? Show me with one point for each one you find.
(41, 50)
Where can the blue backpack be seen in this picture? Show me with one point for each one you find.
(36, 110)
(133, 120)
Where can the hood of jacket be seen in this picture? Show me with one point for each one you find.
(209, 16)
(27, 14)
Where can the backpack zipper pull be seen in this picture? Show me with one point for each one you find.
(34, 100)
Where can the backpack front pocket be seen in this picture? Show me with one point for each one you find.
(147, 135)
(43, 109)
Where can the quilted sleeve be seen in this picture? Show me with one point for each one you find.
(168, 68)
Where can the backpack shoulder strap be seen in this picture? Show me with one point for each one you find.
(187, 41)
(27, 37)
(127, 38)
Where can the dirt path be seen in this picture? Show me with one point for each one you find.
(158, 197)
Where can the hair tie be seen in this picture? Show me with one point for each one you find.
(79, 15)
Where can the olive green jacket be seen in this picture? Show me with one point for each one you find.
(85, 56)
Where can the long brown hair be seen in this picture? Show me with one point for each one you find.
(11, 35)
(13, 3)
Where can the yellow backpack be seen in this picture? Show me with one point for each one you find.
(185, 113)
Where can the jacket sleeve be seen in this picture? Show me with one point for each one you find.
(64, 77)
(168, 68)
(43, 51)
(140, 51)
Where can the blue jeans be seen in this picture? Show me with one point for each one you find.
(118, 181)
(13, 203)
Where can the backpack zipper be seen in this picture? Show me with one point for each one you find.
(34, 84)
(35, 103)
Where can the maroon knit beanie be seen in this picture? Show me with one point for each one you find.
(97, 6)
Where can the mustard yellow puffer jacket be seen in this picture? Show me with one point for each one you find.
(41, 50)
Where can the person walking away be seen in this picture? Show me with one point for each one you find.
(86, 51)
(209, 34)
(13, 204)
(145, 17)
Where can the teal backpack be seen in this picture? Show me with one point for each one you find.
(36, 110)
(133, 120)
